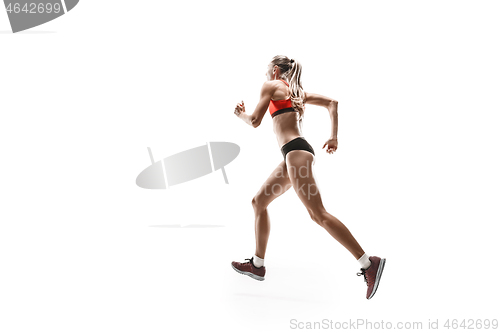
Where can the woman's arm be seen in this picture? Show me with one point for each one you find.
(334, 117)
(328, 103)
(331, 105)
(255, 118)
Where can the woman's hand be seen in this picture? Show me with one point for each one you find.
(331, 145)
(240, 108)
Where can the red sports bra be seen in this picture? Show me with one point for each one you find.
(280, 106)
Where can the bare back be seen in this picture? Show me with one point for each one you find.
(286, 125)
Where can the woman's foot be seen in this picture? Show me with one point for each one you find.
(372, 275)
(248, 268)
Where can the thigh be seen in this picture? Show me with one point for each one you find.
(300, 171)
(275, 185)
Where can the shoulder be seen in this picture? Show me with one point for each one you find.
(274, 83)
(270, 86)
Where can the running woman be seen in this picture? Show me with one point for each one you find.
(282, 93)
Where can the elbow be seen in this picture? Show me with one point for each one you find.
(255, 123)
(333, 103)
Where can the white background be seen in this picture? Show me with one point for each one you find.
(415, 177)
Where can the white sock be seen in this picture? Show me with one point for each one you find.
(364, 261)
(258, 262)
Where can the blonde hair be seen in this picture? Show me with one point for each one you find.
(291, 71)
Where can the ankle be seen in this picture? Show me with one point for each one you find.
(364, 261)
(258, 262)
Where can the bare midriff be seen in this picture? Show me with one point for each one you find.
(286, 127)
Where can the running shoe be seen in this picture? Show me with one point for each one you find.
(248, 268)
(372, 275)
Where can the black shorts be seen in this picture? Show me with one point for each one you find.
(298, 143)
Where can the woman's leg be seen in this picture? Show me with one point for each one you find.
(277, 184)
(299, 165)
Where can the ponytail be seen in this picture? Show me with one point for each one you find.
(296, 91)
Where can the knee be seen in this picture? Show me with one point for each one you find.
(319, 216)
(257, 204)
